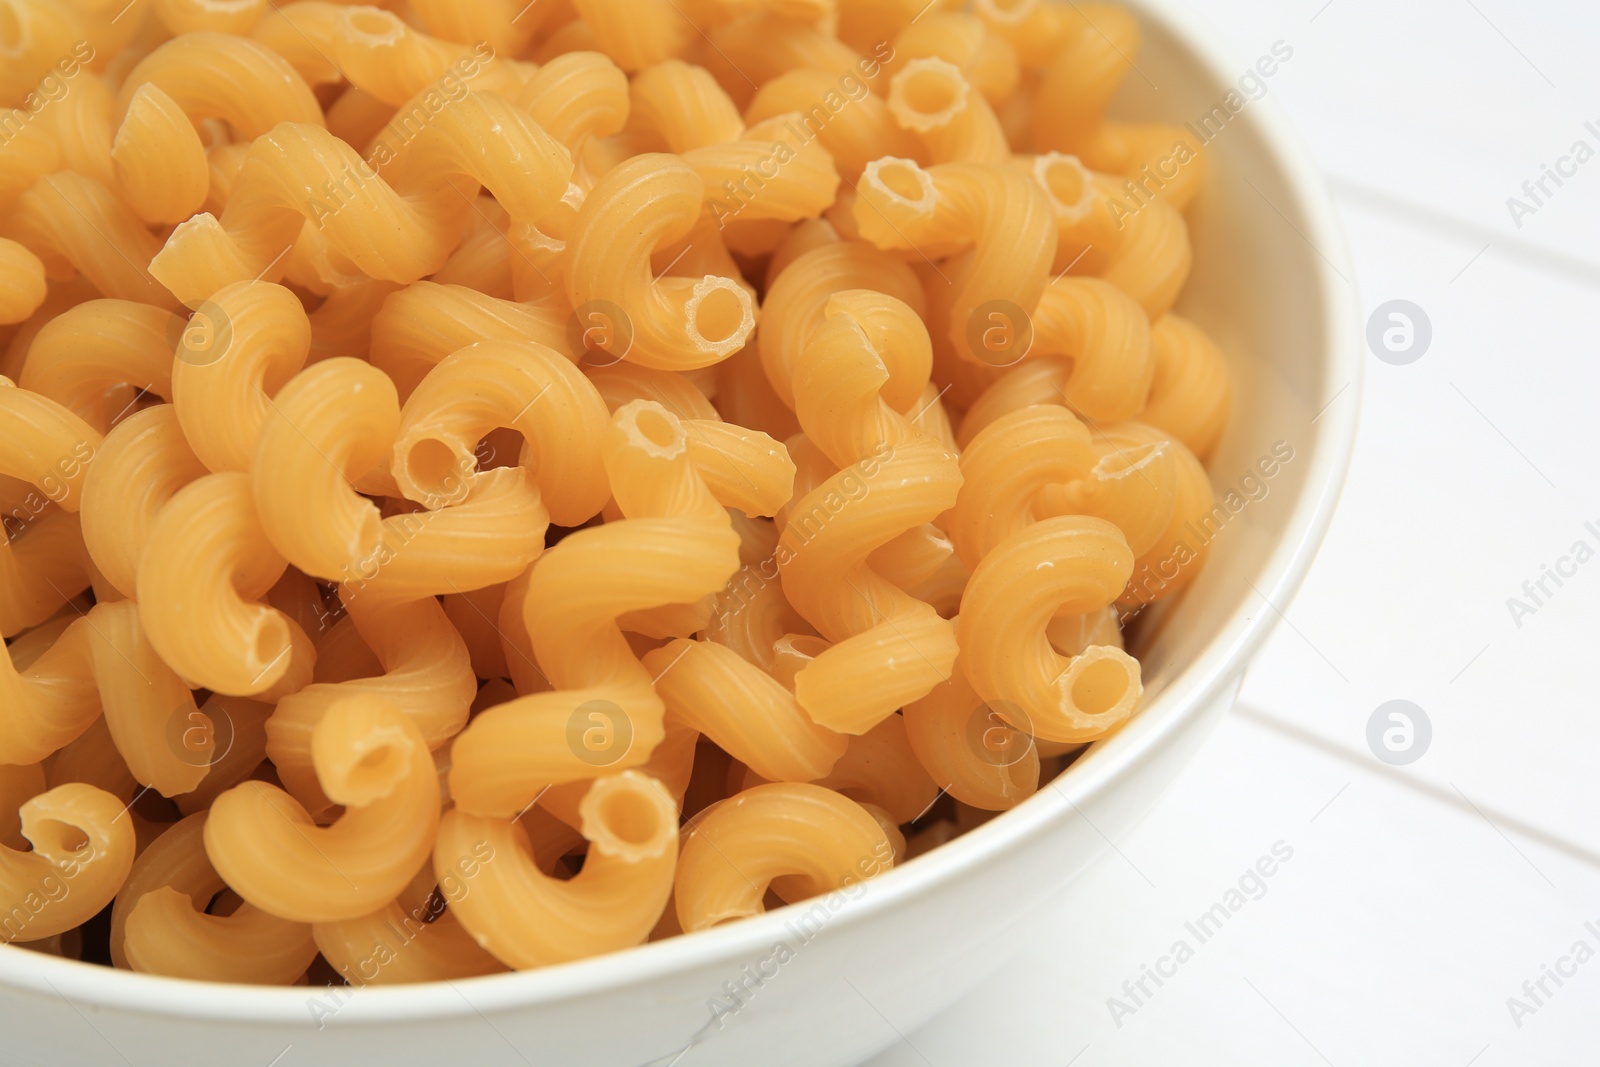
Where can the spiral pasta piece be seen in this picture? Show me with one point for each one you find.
(527, 918)
(1191, 391)
(933, 99)
(397, 223)
(49, 701)
(423, 323)
(82, 850)
(855, 127)
(81, 353)
(329, 426)
(526, 387)
(976, 755)
(425, 670)
(672, 323)
(142, 463)
(202, 575)
(636, 33)
(236, 352)
(796, 308)
(159, 924)
(987, 60)
(742, 709)
(373, 760)
(1005, 468)
(509, 752)
(888, 648)
(73, 222)
(1070, 565)
(994, 210)
(771, 831)
(46, 445)
(147, 705)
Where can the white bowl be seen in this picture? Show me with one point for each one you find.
(1272, 284)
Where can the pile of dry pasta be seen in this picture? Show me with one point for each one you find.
(489, 484)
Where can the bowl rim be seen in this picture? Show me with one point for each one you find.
(1220, 663)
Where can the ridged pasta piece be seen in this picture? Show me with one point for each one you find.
(743, 468)
(796, 306)
(81, 353)
(423, 323)
(1176, 536)
(159, 924)
(739, 847)
(204, 570)
(854, 129)
(142, 463)
(48, 701)
(22, 282)
(933, 99)
(888, 648)
(994, 210)
(328, 427)
(672, 323)
(881, 768)
(975, 755)
(1070, 565)
(742, 709)
(382, 55)
(1192, 391)
(415, 938)
(1151, 262)
(1105, 333)
(752, 613)
(1005, 468)
(524, 386)
(577, 97)
(1098, 43)
(147, 705)
(45, 444)
(426, 672)
(237, 351)
(373, 760)
(397, 224)
(676, 107)
(74, 223)
(82, 850)
(636, 33)
(528, 919)
(674, 545)
(160, 160)
(987, 61)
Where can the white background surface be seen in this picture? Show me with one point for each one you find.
(1418, 898)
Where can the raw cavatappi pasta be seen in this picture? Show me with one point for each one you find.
(487, 487)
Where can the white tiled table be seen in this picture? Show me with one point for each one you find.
(1418, 899)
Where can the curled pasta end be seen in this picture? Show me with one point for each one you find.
(901, 182)
(652, 429)
(927, 94)
(362, 751)
(1102, 684)
(1068, 182)
(629, 816)
(71, 821)
(370, 27)
(719, 317)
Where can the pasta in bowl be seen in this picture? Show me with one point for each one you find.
(701, 515)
